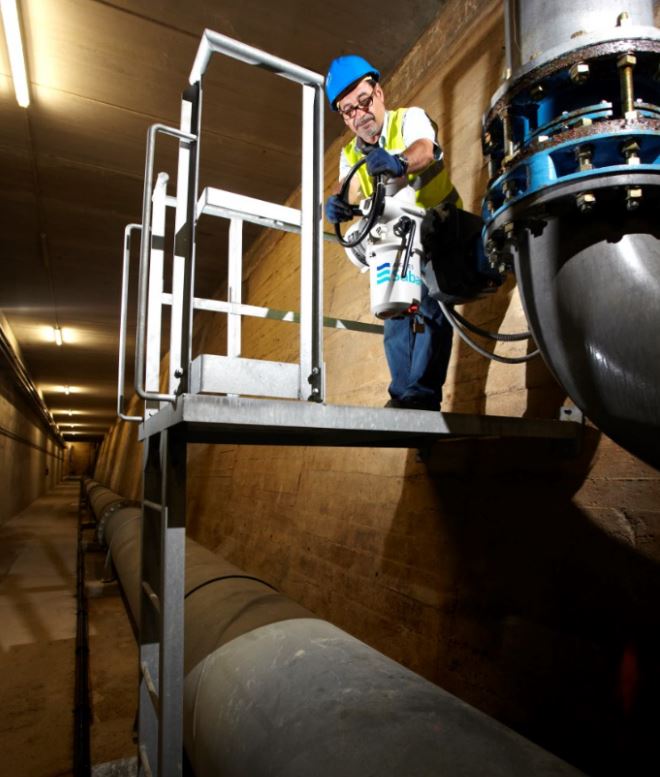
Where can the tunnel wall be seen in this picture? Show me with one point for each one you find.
(523, 582)
(80, 458)
(30, 459)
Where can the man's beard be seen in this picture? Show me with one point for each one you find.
(365, 120)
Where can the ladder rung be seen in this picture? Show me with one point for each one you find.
(151, 688)
(152, 505)
(151, 595)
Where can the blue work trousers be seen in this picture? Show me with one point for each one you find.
(418, 360)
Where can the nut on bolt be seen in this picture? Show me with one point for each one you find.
(509, 189)
(585, 201)
(583, 155)
(537, 92)
(579, 72)
(633, 197)
(626, 60)
(630, 150)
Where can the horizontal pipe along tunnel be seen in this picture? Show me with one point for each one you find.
(573, 141)
(272, 689)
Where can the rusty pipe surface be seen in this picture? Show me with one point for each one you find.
(270, 689)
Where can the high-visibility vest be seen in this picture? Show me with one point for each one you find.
(431, 185)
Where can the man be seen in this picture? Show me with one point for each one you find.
(396, 143)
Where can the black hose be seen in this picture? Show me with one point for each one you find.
(82, 714)
(450, 316)
(504, 338)
(375, 210)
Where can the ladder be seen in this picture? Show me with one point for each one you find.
(162, 554)
(162, 559)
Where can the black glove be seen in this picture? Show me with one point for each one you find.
(337, 210)
(381, 162)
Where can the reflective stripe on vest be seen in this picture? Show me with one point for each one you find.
(432, 185)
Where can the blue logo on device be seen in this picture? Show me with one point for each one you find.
(384, 274)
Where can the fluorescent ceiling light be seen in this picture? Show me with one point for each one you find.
(15, 49)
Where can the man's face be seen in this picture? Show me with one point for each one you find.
(363, 110)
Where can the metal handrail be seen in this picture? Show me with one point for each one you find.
(287, 316)
(145, 247)
(312, 83)
(123, 314)
(216, 42)
(311, 375)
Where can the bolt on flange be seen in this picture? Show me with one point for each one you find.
(579, 72)
(586, 201)
(633, 197)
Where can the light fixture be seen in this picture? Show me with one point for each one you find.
(70, 412)
(57, 335)
(12, 27)
(67, 389)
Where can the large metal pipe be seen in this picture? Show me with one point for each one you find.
(270, 689)
(538, 31)
(573, 137)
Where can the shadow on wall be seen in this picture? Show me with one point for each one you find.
(485, 51)
(476, 68)
(550, 622)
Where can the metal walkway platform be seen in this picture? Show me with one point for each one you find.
(213, 398)
(213, 419)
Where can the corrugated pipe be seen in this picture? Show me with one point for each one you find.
(270, 689)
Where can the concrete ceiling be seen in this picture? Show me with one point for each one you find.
(72, 163)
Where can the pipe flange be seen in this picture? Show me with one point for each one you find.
(538, 72)
(611, 190)
(108, 512)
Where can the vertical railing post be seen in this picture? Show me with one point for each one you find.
(234, 285)
(311, 248)
(149, 626)
(183, 272)
(123, 323)
(155, 290)
(172, 543)
(145, 251)
(178, 259)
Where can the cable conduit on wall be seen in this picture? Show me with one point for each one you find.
(24, 440)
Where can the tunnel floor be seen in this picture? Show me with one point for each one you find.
(37, 645)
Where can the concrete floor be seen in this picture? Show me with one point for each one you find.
(37, 646)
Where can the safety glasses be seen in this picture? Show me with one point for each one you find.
(363, 104)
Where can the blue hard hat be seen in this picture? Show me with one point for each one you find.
(345, 71)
